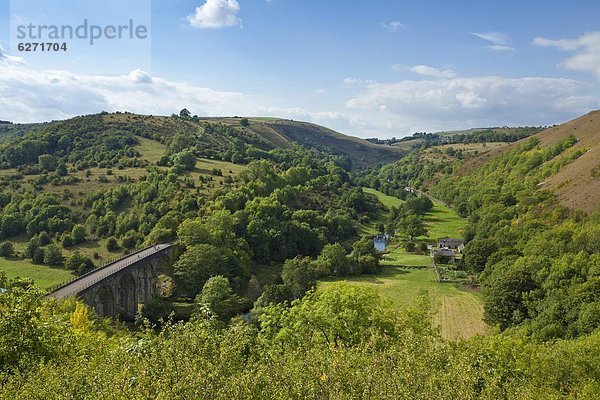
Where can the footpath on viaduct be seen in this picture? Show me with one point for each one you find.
(118, 288)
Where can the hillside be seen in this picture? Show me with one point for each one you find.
(576, 185)
(220, 138)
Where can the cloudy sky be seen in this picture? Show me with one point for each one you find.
(364, 67)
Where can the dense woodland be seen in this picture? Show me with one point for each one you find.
(252, 253)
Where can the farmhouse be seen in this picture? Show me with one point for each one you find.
(443, 255)
(451, 243)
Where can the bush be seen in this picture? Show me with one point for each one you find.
(410, 247)
(112, 244)
(7, 249)
(53, 255)
(157, 309)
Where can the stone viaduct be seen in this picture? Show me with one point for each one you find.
(119, 288)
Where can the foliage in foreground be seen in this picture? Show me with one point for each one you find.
(338, 342)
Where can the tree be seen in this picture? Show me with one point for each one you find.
(31, 247)
(203, 261)
(112, 244)
(476, 254)
(180, 142)
(47, 162)
(412, 226)
(157, 309)
(44, 238)
(504, 292)
(218, 298)
(79, 263)
(38, 255)
(66, 241)
(186, 159)
(61, 169)
(6, 249)
(299, 275)
(78, 233)
(185, 113)
(333, 260)
(53, 255)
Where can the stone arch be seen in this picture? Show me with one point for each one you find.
(104, 301)
(127, 295)
(146, 280)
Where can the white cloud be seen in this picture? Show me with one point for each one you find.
(392, 26)
(28, 95)
(499, 41)
(426, 70)
(355, 81)
(586, 48)
(139, 76)
(429, 105)
(216, 14)
(7, 59)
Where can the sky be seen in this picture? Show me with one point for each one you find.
(372, 68)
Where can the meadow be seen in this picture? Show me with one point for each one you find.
(457, 310)
(42, 275)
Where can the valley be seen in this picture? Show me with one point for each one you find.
(274, 222)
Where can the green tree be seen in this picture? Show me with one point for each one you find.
(78, 233)
(53, 255)
(411, 227)
(61, 169)
(476, 254)
(504, 294)
(79, 263)
(38, 255)
(157, 309)
(186, 159)
(333, 260)
(202, 261)
(299, 275)
(47, 162)
(66, 241)
(6, 249)
(218, 298)
(112, 244)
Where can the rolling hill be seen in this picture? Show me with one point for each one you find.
(218, 135)
(577, 184)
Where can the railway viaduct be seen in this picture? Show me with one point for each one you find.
(119, 287)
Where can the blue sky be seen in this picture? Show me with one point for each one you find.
(367, 68)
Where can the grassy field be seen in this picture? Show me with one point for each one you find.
(443, 221)
(42, 275)
(456, 311)
(383, 215)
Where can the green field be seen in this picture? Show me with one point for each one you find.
(388, 201)
(383, 215)
(42, 275)
(457, 311)
(443, 221)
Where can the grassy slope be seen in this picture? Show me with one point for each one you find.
(443, 221)
(151, 151)
(383, 215)
(42, 275)
(574, 184)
